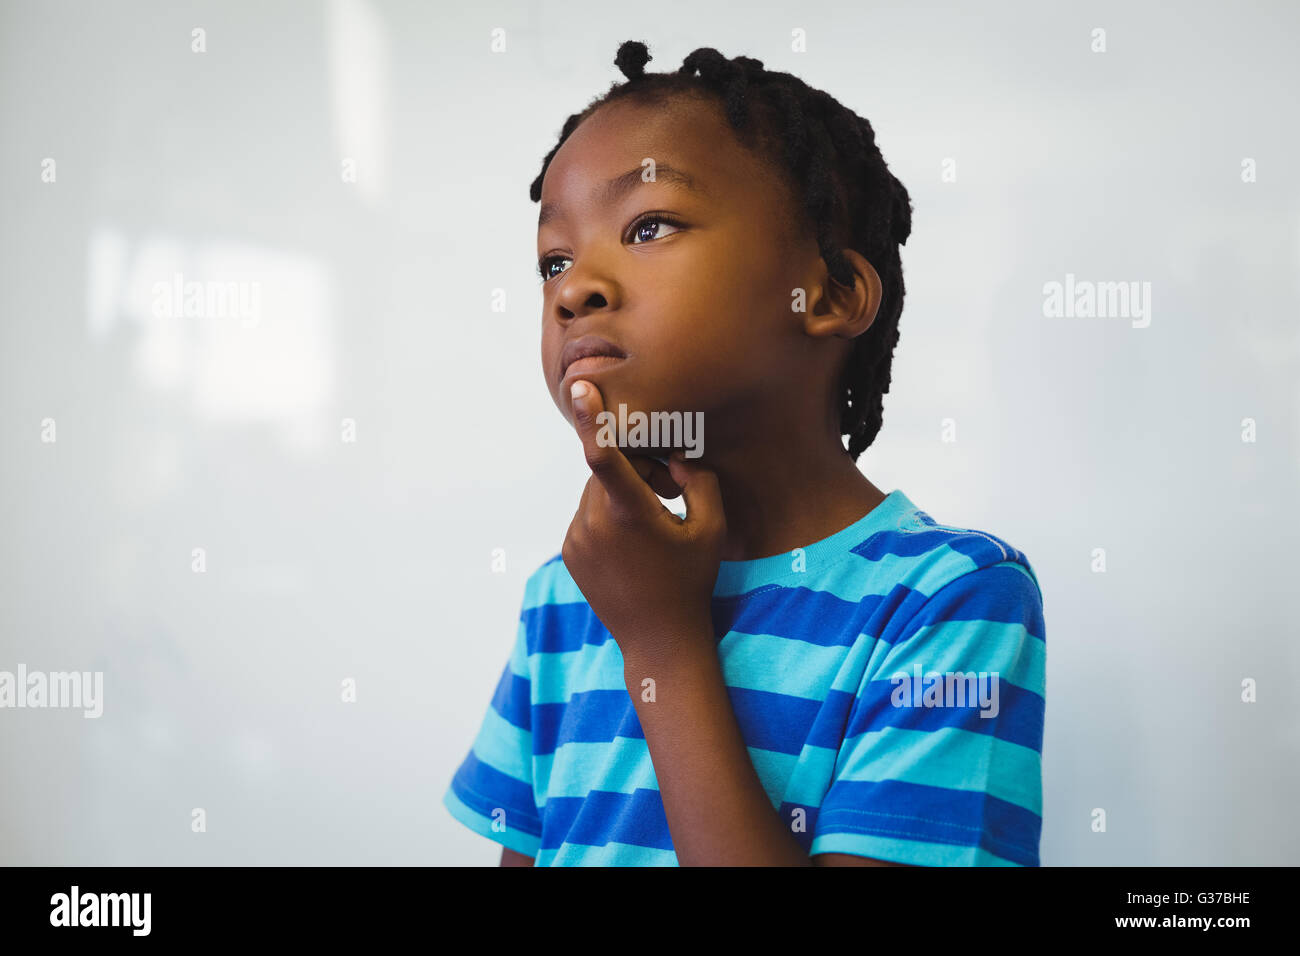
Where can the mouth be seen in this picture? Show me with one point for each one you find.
(588, 355)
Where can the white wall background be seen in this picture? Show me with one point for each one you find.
(371, 560)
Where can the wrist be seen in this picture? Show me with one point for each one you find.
(669, 655)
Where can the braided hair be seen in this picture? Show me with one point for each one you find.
(848, 193)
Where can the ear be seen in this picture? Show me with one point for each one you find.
(835, 309)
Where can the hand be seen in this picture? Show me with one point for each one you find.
(647, 574)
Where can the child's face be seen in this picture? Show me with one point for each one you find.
(700, 306)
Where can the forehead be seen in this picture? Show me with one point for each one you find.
(687, 133)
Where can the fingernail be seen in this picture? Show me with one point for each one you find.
(579, 391)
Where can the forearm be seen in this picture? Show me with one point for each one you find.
(718, 812)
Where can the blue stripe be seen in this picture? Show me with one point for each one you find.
(816, 617)
(980, 547)
(934, 814)
(902, 544)
(511, 698)
(999, 593)
(475, 780)
(776, 722)
(1020, 716)
(588, 717)
(807, 823)
(556, 628)
(828, 730)
(602, 817)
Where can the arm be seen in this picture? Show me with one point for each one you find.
(511, 858)
(718, 812)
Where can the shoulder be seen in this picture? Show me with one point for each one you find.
(947, 571)
(963, 600)
(550, 583)
(931, 556)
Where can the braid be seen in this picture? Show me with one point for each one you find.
(846, 189)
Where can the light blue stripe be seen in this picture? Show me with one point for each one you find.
(779, 665)
(915, 852)
(624, 765)
(505, 747)
(855, 665)
(551, 584)
(619, 766)
(775, 771)
(939, 568)
(561, 674)
(951, 757)
(519, 653)
(857, 578)
(611, 854)
(812, 776)
(737, 577)
(963, 646)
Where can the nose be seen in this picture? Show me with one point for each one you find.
(584, 292)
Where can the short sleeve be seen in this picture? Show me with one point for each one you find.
(492, 791)
(941, 762)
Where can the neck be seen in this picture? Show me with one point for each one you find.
(788, 492)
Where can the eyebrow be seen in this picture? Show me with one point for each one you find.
(614, 189)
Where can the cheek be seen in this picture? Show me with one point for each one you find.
(550, 354)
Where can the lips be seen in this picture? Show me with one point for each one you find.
(592, 352)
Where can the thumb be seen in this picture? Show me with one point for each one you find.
(701, 493)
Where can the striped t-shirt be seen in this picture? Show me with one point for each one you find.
(889, 682)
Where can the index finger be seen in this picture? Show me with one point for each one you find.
(605, 459)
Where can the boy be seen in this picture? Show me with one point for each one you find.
(804, 670)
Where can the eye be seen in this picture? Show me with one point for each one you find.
(650, 223)
(645, 229)
(543, 267)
